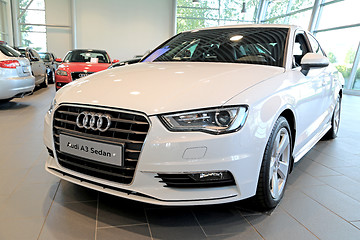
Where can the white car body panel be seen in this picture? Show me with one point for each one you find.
(166, 87)
(134, 81)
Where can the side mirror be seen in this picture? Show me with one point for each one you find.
(115, 61)
(58, 60)
(313, 60)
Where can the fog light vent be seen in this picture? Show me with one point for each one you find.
(196, 180)
(51, 153)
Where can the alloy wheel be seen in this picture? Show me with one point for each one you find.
(279, 164)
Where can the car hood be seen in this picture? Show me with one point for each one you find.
(155, 88)
(83, 67)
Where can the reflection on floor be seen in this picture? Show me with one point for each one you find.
(322, 200)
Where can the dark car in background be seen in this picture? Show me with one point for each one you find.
(51, 65)
(38, 67)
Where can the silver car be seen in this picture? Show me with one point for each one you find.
(16, 79)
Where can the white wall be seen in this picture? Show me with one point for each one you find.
(123, 28)
(59, 39)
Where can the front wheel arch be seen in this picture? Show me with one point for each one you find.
(264, 193)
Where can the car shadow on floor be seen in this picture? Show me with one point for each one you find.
(12, 105)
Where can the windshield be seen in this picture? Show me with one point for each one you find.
(45, 57)
(9, 51)
(232, 45)
(87, 56)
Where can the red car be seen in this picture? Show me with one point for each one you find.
(81, 63)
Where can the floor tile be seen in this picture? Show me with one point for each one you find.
(350, 172)
(279, 225)
(173, 223)
(20, 229)
(300, 179)
(315, 169)
(29, 201)
(138, 232)
(356, 224)
(10, 180)
(220, 220)
(116, 211)
(70, 221)
(323, 223)
(343, 184)
(330, 161)
(38, 174)
(335, 201)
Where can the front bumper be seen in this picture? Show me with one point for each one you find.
(16, 86)
(167, 152)
(61, 81)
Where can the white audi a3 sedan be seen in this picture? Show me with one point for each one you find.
(210, 116)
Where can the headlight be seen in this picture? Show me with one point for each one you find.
(215, 121)
(61, 73)
(52, 106)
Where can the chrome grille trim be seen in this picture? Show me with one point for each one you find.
(128, 129)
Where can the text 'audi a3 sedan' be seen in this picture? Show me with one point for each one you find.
(210, 116)
(80, 63)
(16, 79)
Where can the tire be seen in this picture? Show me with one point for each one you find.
(52, 77)
(335, 121)
(275, 166)
(45, 83)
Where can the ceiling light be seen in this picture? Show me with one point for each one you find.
(236, 38)
(243, 10)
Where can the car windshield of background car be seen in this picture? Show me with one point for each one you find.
(45, 57)
(263, 46)
(79, 56)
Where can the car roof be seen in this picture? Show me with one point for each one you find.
(87, 50)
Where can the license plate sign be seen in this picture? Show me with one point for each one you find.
(97, 151)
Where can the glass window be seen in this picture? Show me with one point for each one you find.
(46, 57)
(233, 45)
(214, 13)
(33, 36)
(300, 49)
(356, 85)
(301, 19)
(300, 4)
(340, 47)
(315, 45)
(340, 14)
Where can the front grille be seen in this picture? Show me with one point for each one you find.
(127, 129)
(77, 75)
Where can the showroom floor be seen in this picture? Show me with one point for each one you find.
(322, 200)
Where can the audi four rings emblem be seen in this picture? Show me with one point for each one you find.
(94, 121)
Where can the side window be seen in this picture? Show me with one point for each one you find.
(35, 54)
(315, 45)
(300, 49)
(31, 54)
